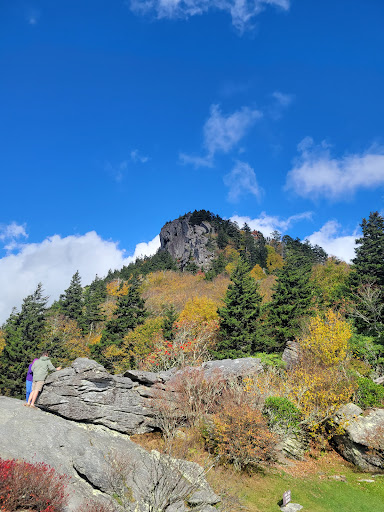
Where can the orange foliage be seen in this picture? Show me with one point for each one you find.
(168, 287)
(63, 330)
(239, 434)
(117, 288)
(257, 273)
(2, 341)
(199, 309)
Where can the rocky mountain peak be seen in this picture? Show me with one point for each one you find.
(189, 241)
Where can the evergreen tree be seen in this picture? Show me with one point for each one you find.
(239, 334)
(24, 332)
(368, 265)
(169, 318)
(71, 302)
(94, 296)
(129, 313)
(366, 281)
(292, 296)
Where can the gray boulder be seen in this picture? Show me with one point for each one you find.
(362, 442)
(126, 403)
(291, 354)
(101, 463)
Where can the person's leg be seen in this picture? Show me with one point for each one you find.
(36, 388)
(32, 396)
(36, 392)
(28, 387)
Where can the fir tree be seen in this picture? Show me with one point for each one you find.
(24, 332)
(71, 302)
(169, 318)
(94, 296)
(129, 313)
(292, 296)
(368, 265)
(239, 334)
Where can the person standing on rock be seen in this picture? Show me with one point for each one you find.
(28, 381)
(40, 369)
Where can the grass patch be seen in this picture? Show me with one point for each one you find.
(312, 483)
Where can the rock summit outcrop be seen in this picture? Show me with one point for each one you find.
(188, 243)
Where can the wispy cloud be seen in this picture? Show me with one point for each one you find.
(137, 157)
(117, 171)
(33, 16)
(12, 231)
(269, 223)
(242, 180)
(55, 260)
(316, 173)
(222, 133)
(243, 12)
(334, 241)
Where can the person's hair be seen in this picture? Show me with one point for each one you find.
(45, 353)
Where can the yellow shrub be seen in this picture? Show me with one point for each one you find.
(200, 309)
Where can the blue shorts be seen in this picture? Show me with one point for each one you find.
(28, 387)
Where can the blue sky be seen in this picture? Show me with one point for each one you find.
(117, 116)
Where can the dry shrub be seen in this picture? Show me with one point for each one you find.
(239, 434)
(191, 346)
(96, 506)
(26, 486)
(190, 397)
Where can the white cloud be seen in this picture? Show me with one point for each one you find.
(242, 12)
(54, 261)
(283, 99)
(12, 231)
(242, 180)
(269, 223)
(222, 133)
(334, 242)
(136, 157)
(316, 173)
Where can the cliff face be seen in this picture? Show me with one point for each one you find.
(189, 243)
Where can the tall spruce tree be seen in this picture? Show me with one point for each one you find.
(71, 301)
(239, 334)
(24, 332)
(366, 281)
(292, 295)
(94, 296)
(130, 312)
(368, 265)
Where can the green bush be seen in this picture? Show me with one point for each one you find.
(369, 394)
(274, 360)
(282, 413)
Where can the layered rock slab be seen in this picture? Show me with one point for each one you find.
(126, 403)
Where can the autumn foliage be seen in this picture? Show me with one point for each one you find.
(26, 486)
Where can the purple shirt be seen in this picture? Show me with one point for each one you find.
(30, 373)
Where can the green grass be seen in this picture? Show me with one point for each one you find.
(316, 492)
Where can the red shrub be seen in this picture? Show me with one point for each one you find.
(26, 486)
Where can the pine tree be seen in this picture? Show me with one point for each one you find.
(368, 265)
(71, 302)
(24, 332)
(292, 296)
(94, 296)
(130, 312)
(239, 334)
(169, 318)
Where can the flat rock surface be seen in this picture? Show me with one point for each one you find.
(87, 453)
